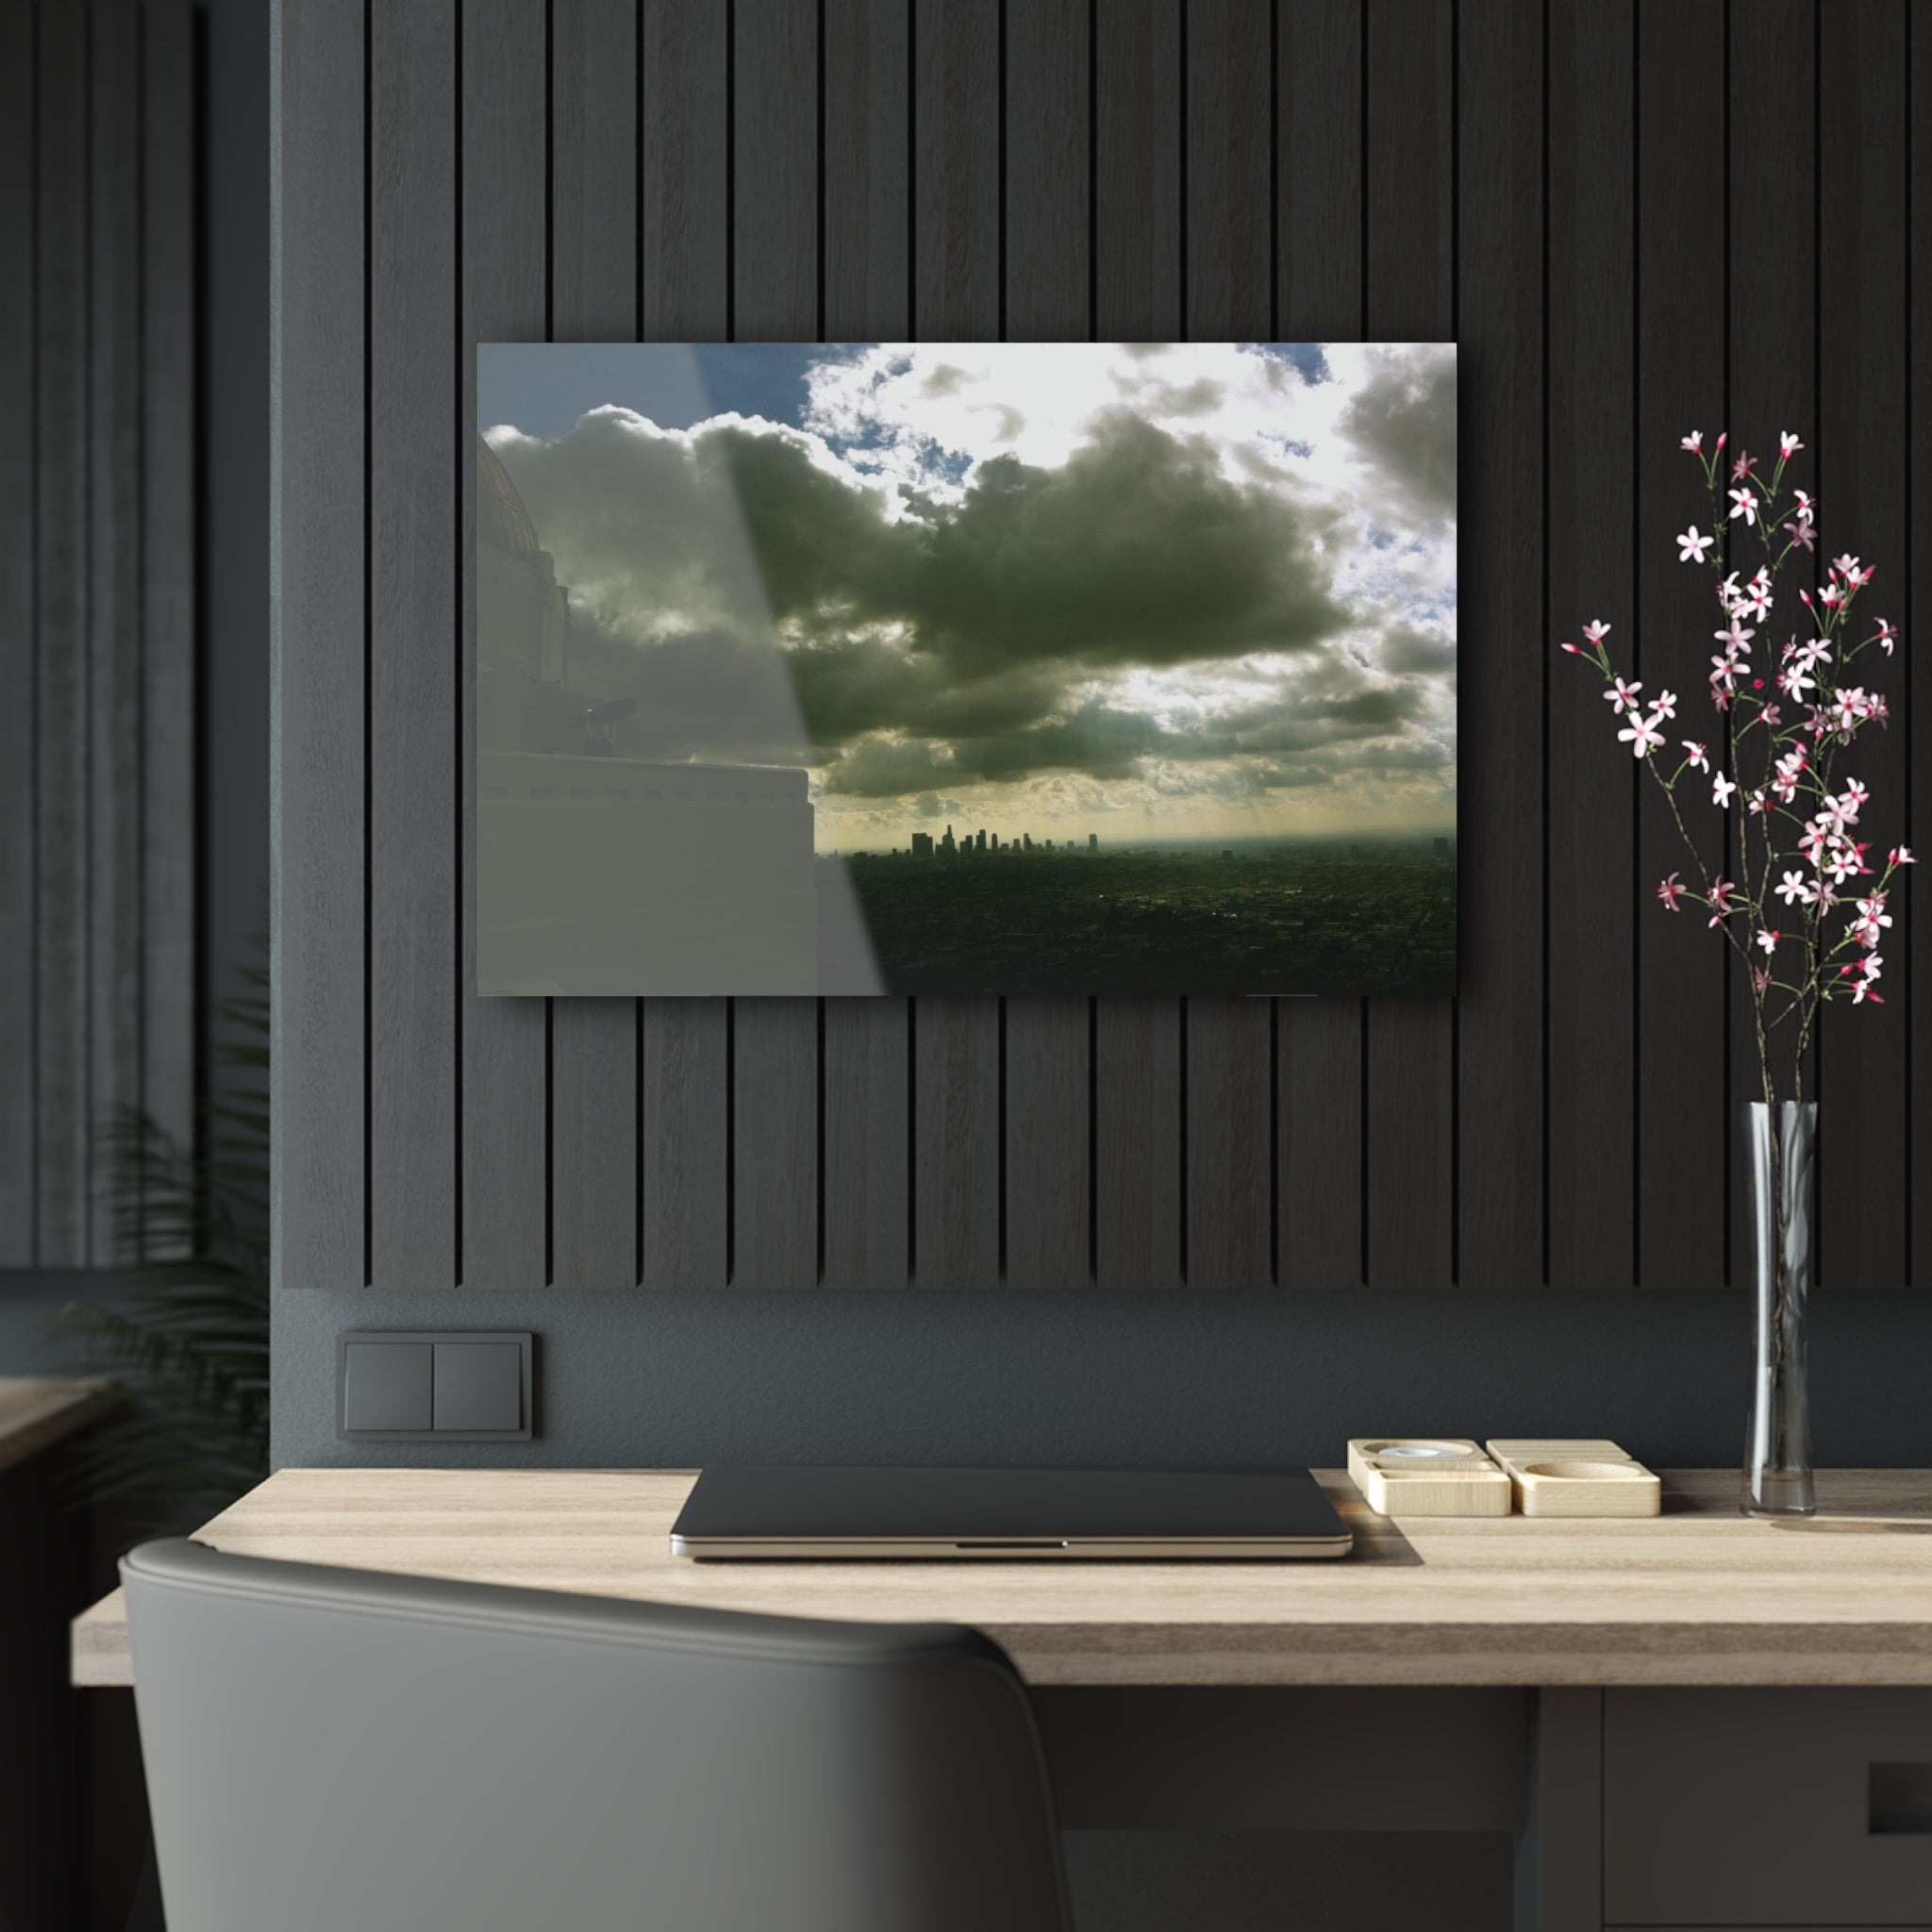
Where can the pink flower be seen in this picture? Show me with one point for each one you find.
(1724, 436)
(1666, 706)
(1851, 799)
(1622, 696)
(1769, 940)
(1693, 442)
(1743, 503)
(1692, 546)
(1741, 466)
(1802, 533)
(1863, 991)
(1760, 979)
(1597, 630)
(1846, 565)
(1807, 507)
(1788, 446)
(1887, 635)
(1735, 636)
(1720, 790)
(1669, 890)
(1795, 887)
(1900, 854)
(1641, 736)
(1698, 755)
(1722, 903)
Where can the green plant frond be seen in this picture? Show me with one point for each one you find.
(189, 1339)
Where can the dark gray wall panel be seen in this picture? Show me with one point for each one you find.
(63, 694)
(18, 641)
(1410, 56)
(594, 298)
(1915, 979)
(414, 910)
(1319, 273)
(1500, 803)
(114, 462)
(1047, 169)
(1682, 986)
(317, 802)
(1863, 320)
(866, 84)
(506, 297)
(169, 414)
(1590, 366)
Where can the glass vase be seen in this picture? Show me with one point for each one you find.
(1780, 1143)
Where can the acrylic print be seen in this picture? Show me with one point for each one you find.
(921, 668)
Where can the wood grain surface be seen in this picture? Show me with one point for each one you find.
(1699, 1595)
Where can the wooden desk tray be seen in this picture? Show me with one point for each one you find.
(1576, 1475)
(1428, 1475)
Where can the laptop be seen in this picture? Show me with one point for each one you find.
(825, 1513)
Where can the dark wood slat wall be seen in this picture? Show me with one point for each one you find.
(98, 991)
(595, 1172)
(1066, 169)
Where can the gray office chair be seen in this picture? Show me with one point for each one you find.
(333, 1749)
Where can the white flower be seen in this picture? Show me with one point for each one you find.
(1788, 446)
(1622, 696)
(1691, 546)
(1794, 887)
(1697, 756)
(1743, 503)
(1720, 790)
(1641, 736)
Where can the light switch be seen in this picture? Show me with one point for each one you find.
(479, 1385)
(460, 1387)
(386, 1385)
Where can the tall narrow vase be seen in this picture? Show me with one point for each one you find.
(1780, 1146)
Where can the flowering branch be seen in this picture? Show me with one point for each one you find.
(1785, 725)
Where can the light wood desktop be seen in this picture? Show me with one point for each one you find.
(1663, 1709)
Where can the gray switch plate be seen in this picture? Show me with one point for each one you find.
(394, 1386)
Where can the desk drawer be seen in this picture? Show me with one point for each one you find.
(1775, 1808)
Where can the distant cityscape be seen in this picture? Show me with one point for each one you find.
(925, 847)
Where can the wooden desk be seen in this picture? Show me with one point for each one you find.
(1699, 1595)
(37, 1411)
(1466, 1676)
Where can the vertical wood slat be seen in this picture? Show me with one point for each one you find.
(318, 692)
(1137, 275)
(1319, 280)
(866, 1126)
(503, 275)
(1500, 805)
(1914, 915)
(866, 82)
(594, 284)
(1229, 1094)
(1590, 487)
(685, 1155)
(865, 1144)
(114, 456)
(1048, 1120)
(62, 691)
(1862, 360)
(1773, 174)
(1683, 973)
(1410, 297)
(775, 240)
(414, 909)
(168, 574)
(19, 384)
(956, 284)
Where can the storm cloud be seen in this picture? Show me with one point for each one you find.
(1167, 611)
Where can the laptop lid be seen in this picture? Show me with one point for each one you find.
(825, 1511)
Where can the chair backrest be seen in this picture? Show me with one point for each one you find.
(336, 1748)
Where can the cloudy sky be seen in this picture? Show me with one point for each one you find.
(1148, 590)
